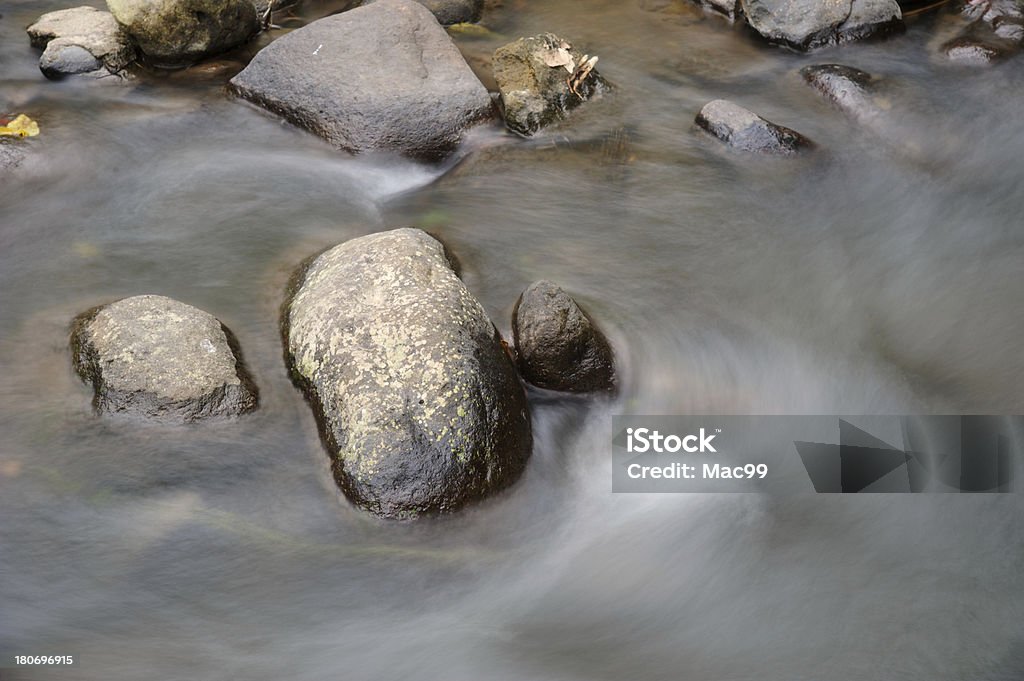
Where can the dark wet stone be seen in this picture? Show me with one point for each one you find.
(80, 40)
(558, 346)
(805, 24)
(450, 12)
(161, 359)
(541, 79)
(742, 129)
(174, 33)
(973, 52)
(995, 33)
(850, 89)
(418, 401)
(385, 76)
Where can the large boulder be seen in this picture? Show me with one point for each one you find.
(744, 130)
(383, 76)
(417, 399)
(81, 40)
(541, 79)
(558, 346)
(805, 24)
(174, 33)
(159, 358)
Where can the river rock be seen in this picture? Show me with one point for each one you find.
(558, 346)
(417, 399)
(541, 79)
(174, 33)
(81, 40)
(742, 129)
(450, 12)
(805, 24)
(159, 358)
(850, 90)
(11, 154)
(382, 76)
(995, 33)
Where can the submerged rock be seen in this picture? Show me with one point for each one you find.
(81, 40)
(559, 347)
(417, 399)
(12, 154)
(450, 12)
(742, 129)
(805, 24)
(541, 79)
(161, 359)
(383, 76)
(174, 33)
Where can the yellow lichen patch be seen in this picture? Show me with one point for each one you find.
(21, 126)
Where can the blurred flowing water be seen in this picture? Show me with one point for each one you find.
(881, 275)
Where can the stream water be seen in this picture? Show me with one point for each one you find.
(879, 275)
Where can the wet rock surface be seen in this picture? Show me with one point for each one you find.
(541, 80)
(849, 89)
(995, 33)
(158, 358)
(175, 33)
(418, 402)
(450, 12)
(744, 130)
(806, 24)
(384, 76)
(558, 346)
(11, 154)
(81, 40)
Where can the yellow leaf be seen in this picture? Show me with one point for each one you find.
(22, 126)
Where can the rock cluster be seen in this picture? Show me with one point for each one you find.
(80, 41)
(995, 32)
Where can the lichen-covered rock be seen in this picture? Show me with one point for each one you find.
(450, 12)
(541, 79)
(81, 40)
(558, 346)
(385, 76)
(159, 358)
(174, 33)
(805, 24)
(417, 399)
(742, 129)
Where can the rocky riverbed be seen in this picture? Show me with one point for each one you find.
(705, 219)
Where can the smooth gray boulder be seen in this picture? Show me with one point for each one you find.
(158, 358)
(558, 346)
(81, 40)
(450, 12)
(541, 79)
(744, 130)
(385, 76)
(805, 24)
(176, 33)
(418, 401)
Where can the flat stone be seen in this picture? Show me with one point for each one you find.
(158, 358)
(744, 130)
(385, 76)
